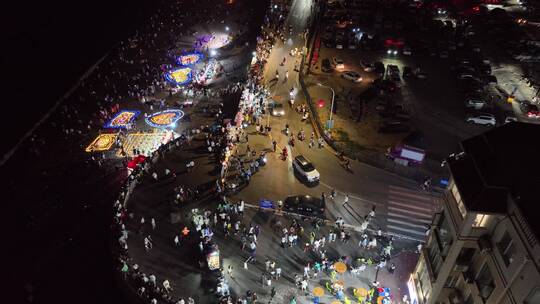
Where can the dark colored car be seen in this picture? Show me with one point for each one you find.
(394, 127)
(407, 71)
(326, 66)
(305, 205)
(379, 67)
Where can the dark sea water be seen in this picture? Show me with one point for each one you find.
(47, 45)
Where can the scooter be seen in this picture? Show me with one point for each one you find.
(262, 159)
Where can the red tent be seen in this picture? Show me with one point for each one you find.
(132, 164)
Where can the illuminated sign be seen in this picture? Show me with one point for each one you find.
(189, 59)
(179, 76)
(102, 142)
(164, 119)
(122, 119)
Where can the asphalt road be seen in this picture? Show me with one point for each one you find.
(401, 208)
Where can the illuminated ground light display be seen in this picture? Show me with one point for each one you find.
(164, 119)
(212, 41)
(189, 59)
(179, 76)
(122, 119)
(102, 143)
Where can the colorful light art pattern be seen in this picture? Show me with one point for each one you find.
(164, 119)
(189, 59)
(102, 142)
(179, 76)
(122, 119)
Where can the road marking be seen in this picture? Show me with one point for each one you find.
(406, 223)
(408, 200)
(350, 195)
(406, 230)
(405, 216)
(421, 215)
(429, 210)
(411, 195)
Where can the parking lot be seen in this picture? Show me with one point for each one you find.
(458, 97)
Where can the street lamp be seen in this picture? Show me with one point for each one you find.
(331, 105)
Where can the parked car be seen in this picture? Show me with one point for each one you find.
(305, 205)
(394, 127)
(379, 67)
(393, 72)
(326, 66)
(482, 119)
(338, 63)
(305, 169)
(367, 67)
(531, 110)
(407, 51)
(421, 75)
(476, 104)
(491, 79)
(277, 109)
(443, 54)
(407, 71)
(352, 76)
(465, 75)
(339, 43)
(510, 118)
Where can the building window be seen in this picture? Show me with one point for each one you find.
(481, 220)
(451, 282)
(435, 259)
(507, 248)
(484, 281)
(459, 201)
(424, 284)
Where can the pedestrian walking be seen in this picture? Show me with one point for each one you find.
(167, 286)
(229, 271)
(346, 199)
(153, 222)
(272, 293)
(176, 241)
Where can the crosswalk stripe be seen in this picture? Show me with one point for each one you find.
(392, 227)
(409, 201)
(415, 196)
(407, 206)
(423, 216)
(406, 223)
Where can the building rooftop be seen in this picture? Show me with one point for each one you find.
(501, 162)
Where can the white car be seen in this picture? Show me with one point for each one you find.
(338, 63)
(392, 52)
(352, 76)
(306, 169)
(482, 119)
(277, 109)
(475, 104)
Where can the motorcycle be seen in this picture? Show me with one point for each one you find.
(262, 159)
(284, 153)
